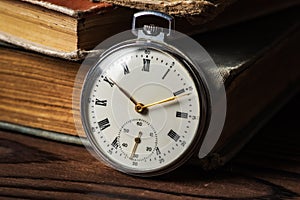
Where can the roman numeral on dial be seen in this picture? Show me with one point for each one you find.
(173, 135)
(157, 151)
(178, 92)
(103, 124)
(164, 76)
(101, 102)
(146, 65)
(108, 81)
(115, 143)
(125, 68)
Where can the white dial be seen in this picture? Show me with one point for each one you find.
(142, 109)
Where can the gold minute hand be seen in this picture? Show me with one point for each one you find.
(164, 100)
(124, 92)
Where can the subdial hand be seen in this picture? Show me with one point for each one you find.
(124, 92)
(137, 141)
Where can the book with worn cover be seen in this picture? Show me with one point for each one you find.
(71, 28)
(258, 59)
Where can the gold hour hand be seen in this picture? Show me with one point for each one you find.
(164, 100)
(124, 92)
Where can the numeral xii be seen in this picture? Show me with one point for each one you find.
(146, 65)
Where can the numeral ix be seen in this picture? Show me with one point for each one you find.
(103, 124)
(101, 102)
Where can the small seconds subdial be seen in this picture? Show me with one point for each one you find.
(137, 139)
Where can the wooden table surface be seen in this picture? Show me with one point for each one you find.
(267, 168)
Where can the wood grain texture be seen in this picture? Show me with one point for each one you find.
(268, 168)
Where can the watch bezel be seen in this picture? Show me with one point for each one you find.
(198, 78)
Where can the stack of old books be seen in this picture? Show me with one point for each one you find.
(43, 42)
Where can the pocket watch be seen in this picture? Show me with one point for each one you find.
(151, 100)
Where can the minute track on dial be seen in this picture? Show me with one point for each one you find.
(151, 129)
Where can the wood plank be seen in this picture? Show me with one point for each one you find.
(267, 168)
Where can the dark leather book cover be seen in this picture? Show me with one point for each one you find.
(69, 29)
(258, 60)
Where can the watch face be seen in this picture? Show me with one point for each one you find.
(143, 109)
